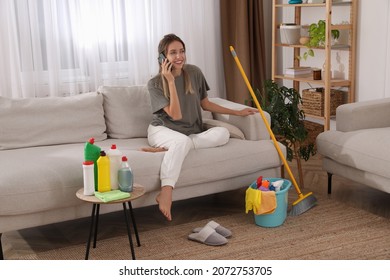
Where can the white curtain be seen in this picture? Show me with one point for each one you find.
(66, 47)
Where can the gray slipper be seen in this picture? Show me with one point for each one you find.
(218, 228)
(208, 236)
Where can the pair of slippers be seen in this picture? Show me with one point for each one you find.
(212, 234)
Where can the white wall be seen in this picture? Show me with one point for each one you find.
(372, 50)
(373, 55)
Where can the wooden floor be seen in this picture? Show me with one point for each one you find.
(23, 242)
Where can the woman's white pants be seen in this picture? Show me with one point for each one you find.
(178, 145)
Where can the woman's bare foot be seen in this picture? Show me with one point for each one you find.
(164, 200)
(153, 149)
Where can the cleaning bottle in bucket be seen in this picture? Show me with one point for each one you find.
(125, 176)
(92, 153)
(103, 164)
(115, 157)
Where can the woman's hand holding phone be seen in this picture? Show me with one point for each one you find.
(167, 65)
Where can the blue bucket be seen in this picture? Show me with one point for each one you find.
(278, 217)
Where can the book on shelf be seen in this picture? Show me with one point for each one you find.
(296, 71)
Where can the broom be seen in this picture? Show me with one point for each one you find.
(304, 202)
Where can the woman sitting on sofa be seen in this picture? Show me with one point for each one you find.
(178, 93)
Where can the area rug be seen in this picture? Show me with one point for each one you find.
(329, 231)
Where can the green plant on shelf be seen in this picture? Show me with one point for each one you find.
(317, 37)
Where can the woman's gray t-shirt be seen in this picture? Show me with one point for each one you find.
(191, 122)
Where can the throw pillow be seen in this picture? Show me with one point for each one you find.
(127, 111)
(234, 131)
(29, 122)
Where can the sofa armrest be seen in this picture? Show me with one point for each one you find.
(362, 115)
(252, 126)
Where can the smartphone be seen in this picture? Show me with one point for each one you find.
(161, 58)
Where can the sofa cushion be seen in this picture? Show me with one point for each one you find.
(51, 120)
(52, 175)
(366, 149)
(234, 131)
(127, 111)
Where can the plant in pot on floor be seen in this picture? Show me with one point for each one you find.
(287, 121)
(317, 37)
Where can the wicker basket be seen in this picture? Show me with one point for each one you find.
(313, 130)
(313, 101)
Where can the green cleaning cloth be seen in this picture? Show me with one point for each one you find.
(112, 195)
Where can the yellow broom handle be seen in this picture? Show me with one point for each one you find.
(265, 120)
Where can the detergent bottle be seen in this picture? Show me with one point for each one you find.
(125, 176)
(88, 178)
(115, 157)
(92, 153)
(103, 164)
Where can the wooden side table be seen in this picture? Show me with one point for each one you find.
(137, 192)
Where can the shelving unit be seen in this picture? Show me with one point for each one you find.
(327, 82)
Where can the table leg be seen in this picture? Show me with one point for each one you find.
(90, 230)
(1, 249)
(134, 223)
(129, 231)
(96, 225)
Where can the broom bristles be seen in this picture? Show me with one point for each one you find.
(303, 204)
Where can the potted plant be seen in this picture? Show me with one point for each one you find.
(287, 121)
(317, 37)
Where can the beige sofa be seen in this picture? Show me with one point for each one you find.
(359, 148)
(41, 153)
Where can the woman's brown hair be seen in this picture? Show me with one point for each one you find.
(162, 48)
